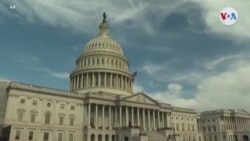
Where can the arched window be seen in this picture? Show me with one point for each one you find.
(47, 117)
(20, 113)
(99, 137)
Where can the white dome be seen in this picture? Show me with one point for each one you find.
(102, 66)
(103, 42)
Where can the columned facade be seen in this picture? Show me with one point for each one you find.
(112, 117)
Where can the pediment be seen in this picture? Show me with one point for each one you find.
(140, 98)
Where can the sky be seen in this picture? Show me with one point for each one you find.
(182, 52)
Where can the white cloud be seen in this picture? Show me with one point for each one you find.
(229, 89)
(76, 48)
(151, 68)
(83, 15)
(212, 64)
(172, 95)
(61, 75)
(237, 32)
(34, 63)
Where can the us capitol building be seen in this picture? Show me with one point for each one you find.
(101, 106)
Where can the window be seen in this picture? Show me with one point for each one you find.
(61, 118)
(20, 116)
(31, 133)
(71, 121)
(47, 118)
(62, 106)
(71, 137)
(214, 128)
(46, 136)
(72, 107)
(18, 135)
(215, 138)
(33, 118)
(34, 102)
(48, 104)
(22, 101)
(60, 136)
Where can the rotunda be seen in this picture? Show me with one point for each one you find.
(102, 66)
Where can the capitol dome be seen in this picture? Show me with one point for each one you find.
(102, 66)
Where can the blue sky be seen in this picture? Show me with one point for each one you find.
(182, 52)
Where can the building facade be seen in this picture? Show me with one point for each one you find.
(100, 105)
(225, 125)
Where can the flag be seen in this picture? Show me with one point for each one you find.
(134, 74)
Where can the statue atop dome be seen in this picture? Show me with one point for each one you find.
(104, 17)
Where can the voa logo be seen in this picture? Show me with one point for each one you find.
(228, 16)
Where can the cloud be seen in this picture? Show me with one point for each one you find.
(226, 90)
(151, 68)
(229, 89)
(76, 48)
(83, 15)
(35, 63)
(212, 64)
(173, 95)
(236, 32)
(61, 75)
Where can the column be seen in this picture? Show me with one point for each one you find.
(159, 119)
(143, 114)
(110, 117)
(168, 119)
(96, 116)
(82, 81)
(153, 119)
(105, 79)
(103, 124)
(111, 80)
(162, 114)
(149, 122)
(116, 116)
(89, 115)
(120, 116)
(125, 82)
(116, 81)
(93, 79)
(99, 79)
(122, 83)
(77, 81)
(138, 114)
(126, 116)
(87, 81)
(132, 114)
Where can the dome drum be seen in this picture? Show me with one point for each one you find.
(89, 81)
(102, 66)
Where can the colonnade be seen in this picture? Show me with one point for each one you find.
(101, 79)
(235, 123)
(110, 117)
